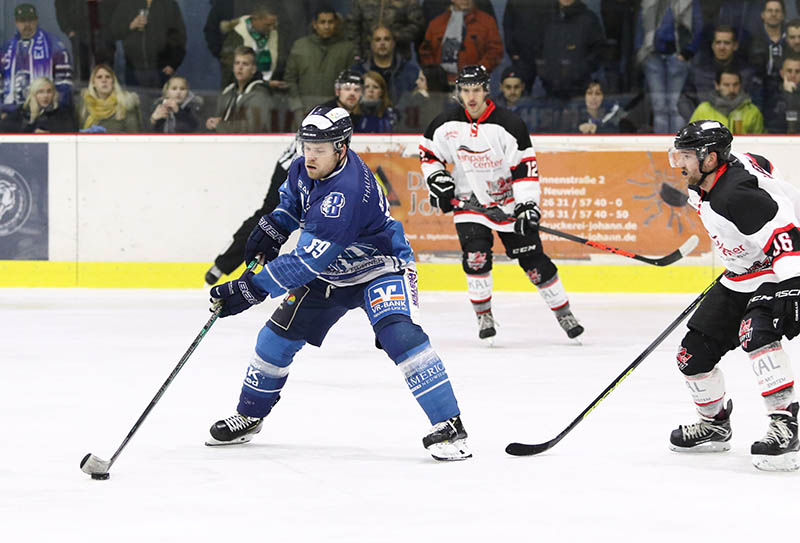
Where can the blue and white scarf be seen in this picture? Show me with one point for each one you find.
(21, 65)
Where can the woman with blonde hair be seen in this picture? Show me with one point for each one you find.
(106, 107)
(376, 106)
(41, 113)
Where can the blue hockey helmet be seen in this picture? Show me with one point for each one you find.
(324, 124)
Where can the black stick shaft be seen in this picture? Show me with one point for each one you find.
(522, 449)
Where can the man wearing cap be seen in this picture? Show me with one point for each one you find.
(514, 87)
(30, 54)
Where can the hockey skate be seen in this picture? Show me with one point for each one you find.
(708, 435)
(234, 430)
(777, 451)
(212, 275)
(486, 327)
(448, 440)
(569, 323)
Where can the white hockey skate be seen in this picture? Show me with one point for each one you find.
(448, 440)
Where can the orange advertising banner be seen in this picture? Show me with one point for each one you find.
(632, 200)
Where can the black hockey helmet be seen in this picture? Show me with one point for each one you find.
(349, 77)
(474, 74)
(705, 137)
(324, 124)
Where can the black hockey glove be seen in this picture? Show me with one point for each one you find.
(527, 215)
(442, 189)
(235, 296)
(265, 240)
(786, 307)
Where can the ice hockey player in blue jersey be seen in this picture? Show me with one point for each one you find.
(351, 254)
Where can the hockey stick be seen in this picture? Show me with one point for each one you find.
(522, 449)
(99, 468)
(498, 215)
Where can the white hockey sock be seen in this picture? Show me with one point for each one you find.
(773, 370)
(708, 391)
(479, 289)
(553, 294)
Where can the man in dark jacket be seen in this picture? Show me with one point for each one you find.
(88, 26)
(399, 73)
(153, 38)
(570, 48)
(520, 21)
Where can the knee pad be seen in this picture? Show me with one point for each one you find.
(477, 262)
(538, 267)
(476, 248)
(756, 329)
(698, 353)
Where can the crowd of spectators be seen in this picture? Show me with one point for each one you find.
(565, 66)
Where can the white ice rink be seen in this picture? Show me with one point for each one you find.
(340, 458)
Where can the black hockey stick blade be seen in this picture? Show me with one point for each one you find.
(524, 449)
(498, 215)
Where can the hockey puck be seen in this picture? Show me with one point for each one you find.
(100, 476)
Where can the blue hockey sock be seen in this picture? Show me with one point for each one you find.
(267, 373)
(425, 374)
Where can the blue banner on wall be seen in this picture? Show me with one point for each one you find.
(23, 201)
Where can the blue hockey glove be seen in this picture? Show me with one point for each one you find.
(786, 307)
(527, 215)
(235, 296)
(265, 240)
(442, 189)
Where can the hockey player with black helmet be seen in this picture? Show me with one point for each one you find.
(351, 254)
(751, 215)
(494, 171)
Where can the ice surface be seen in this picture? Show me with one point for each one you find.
(340, 458)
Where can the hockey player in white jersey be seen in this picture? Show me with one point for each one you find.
(494, 167)
(751, 216)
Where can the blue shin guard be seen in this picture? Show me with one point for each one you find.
(267, 373)
(425, 374)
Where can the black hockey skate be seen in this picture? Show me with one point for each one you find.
(777, 451)
(448, 440)
(486, 327)
(234, 430)
(569, 323)
(212, 275)
(708, 435)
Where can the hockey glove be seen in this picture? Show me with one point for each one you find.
(265, 241)
(786, 307)
(442, 189)
(235, 296)
(527, 215)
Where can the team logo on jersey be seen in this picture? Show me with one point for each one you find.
(745, 332)
(290, 299)
(386, 296)
(683, 358)
(332, 205)
(16, 201)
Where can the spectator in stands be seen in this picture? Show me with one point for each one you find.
(462, 36)
(176, 112)
(570, 48)
(431, 96)
(106, 107)
(513, 90)
(519, 20)
(399, 73)
(433, 8)
(315, 61)
(766, 52)
(30, 54)
(243, 106)
(378, 115)
(792, 37)
(41, 113)
(702, 79)
(88, 26)
(619, 21)
(403, 18)
(730, 105)
(597, 117)
(224, 15)
(259, 32)
(667, 37)
(349, 89)
(782, 114)
(153, 39)
(744, 16)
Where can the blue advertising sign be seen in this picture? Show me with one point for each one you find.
(23, 201)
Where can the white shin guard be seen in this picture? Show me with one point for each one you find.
(479, 288)
(553, 293)
(708, 391)
(773, 370)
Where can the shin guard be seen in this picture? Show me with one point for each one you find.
(479, 289)
(553, 293)
(773, 370)
(708, 391)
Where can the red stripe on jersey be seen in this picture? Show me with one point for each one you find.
(757, 165)
(775, 233)
(523, 161)
(748, 276)
(774, 390)
(422, 148)
(533, 179)
(722, 169)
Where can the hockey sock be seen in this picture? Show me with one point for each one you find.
(267, 373)
(479, 289)
(553, 294)
(408, 346)
(773, 370)
(708, 391)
